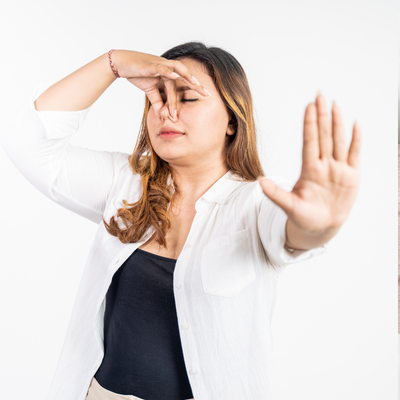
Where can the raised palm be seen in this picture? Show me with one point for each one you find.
(323, 196)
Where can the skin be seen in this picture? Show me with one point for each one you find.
(321, 199)
(198, 157)
(323, 196)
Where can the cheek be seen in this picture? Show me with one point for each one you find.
(152, 120)
(208, 122)
(151, 116)
(152, 125)
(198, 116)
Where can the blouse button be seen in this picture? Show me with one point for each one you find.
(178, 285)
(187, 245)
(185, 326)
(116, 262)
(193, 372)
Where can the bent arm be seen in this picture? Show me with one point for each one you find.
(37, 143)
(80, 89)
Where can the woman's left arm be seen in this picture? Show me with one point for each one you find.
(322, 198)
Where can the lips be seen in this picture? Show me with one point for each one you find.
(166, 131)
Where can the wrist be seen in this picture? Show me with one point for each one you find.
(299, 239)
(112, 56)
(121, 60)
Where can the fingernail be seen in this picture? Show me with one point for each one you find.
(206, 91)
(175, 74)
(195, 80)
(175, 114)
(334, 103)
(318, 93)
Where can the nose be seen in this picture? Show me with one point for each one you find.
(164, 113)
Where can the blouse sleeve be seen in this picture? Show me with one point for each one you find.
(77, 178)
(272, 230)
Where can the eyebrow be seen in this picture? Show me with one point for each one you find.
(178, 89)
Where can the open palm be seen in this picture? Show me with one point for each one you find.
(323, 196)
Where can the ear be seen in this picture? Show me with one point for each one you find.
(232, 126)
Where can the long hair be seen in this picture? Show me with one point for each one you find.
(157, 177)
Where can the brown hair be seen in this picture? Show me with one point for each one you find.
(242, 156)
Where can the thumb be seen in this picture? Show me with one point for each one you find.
(280, 197)
(155, 99)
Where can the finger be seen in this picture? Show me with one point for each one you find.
(182, 70)
(278, 195)
(186, 76)
(170, 97)
(160, 70)
(164, 113)
(355, 146)
(155, 99)
(339, 138)
(310, 136)
(324, 128)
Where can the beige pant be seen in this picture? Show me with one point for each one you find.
(97, 392)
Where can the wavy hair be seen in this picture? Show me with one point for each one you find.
(157, 177)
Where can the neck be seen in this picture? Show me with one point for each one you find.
(193, 184)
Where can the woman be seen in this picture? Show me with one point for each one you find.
(178, 291)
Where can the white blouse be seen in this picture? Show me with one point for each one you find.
(224, 289)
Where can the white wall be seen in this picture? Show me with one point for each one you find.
(335, 324)
(398, 84)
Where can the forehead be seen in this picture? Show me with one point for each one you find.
(194, 65)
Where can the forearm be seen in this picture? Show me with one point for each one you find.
(301, 240)
(79, 90)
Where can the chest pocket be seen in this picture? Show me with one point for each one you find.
(227, 264)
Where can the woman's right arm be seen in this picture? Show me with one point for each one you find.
(37, 141)
(79, 90)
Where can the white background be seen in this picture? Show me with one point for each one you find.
(335, 322)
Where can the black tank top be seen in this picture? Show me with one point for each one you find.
(143, 353)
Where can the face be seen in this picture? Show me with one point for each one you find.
(203, 120)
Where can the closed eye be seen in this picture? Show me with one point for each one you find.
(183, 100)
